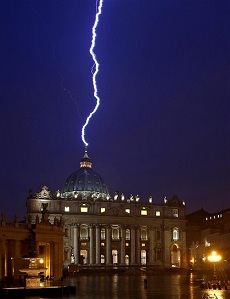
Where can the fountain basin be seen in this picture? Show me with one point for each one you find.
(33, 272)
(33, 279)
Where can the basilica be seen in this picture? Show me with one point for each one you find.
(104, 230)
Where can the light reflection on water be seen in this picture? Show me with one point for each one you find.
(159, 286)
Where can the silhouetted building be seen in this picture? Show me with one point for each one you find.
(207, 232)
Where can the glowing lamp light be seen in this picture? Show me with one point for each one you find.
(214, 258)
(41, 261)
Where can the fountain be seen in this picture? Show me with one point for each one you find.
(33, 279)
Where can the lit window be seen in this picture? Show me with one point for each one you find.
(175, 212)
(127, 211)
(142, 244)
(102, 210)
(175, 234)
(127, 244)
(144, 234)
(115, 234)
(206, 218)
(84, 209)
(66, 209)
(102, 234)
(144, 212)
(158, 213)
(102, 244)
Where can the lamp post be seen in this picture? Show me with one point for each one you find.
(214, 258)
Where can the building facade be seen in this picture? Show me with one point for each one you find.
(20, 241)
(208, 232)
(100, 230)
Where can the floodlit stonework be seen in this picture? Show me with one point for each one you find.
(21, 240)
(103, 230)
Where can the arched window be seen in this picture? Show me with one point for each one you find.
(102, 234)
(175, 256)
(144, 234)
(175, 234)
(126, 259)
(102, 259)
(127, 234)
(143, 257)
(84, 232)
(115, 233)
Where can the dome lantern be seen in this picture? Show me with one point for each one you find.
(85, 183)
(85, 161)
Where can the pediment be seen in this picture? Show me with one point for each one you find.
(116, 212)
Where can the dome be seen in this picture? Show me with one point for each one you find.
(85, 183)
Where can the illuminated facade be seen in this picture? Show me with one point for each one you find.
(21, 240)
(104, 231)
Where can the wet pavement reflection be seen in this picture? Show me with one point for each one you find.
(160, 286)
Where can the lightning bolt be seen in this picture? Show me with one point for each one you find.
(94, 69)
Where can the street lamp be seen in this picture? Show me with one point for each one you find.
(214, 258)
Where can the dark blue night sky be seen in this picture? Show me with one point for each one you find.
(163, 124)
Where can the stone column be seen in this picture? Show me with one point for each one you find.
(17, 248)
(51, 259)
(76, 243)
(1, 259)
(47, 258)
(37, 247)
(184, 263)
(166, 246)
(138, 247)
(122, 255)
(91, 245)
(108, 245)
(98, 245)
(133, 244)
(5, 254)
(55, 261)
(151, 245)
